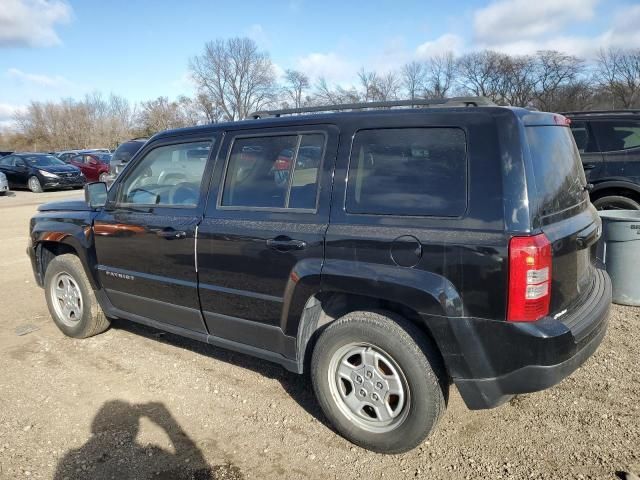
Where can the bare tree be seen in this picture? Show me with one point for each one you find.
(296, 83)
(618, 71)
(236, 75)
(554, 71)
(440, 74)
(413, 79)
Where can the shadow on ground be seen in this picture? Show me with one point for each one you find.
(113, 452)
(297, 386)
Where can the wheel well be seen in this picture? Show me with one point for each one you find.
(618, 191)
(50, 250)
(325, 307)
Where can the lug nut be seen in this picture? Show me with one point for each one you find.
(375, 396)
(379, 385)
(363, 392)
(369, 374)
(359, 379)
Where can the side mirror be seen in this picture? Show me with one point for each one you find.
(95, 194)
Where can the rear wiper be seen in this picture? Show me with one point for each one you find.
(588, 187)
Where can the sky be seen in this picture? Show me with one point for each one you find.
(140, 49)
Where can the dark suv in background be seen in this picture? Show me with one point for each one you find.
(388, 252)
(609, 144)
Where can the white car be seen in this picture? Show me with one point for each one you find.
(4, 184)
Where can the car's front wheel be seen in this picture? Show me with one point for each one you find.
(34, 184)
(379, 380)
(71, 300)
(103, 177)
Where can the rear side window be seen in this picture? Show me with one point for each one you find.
(274, 171)
(616, 135)
(409, 171)
(557, 168)
(583, 137)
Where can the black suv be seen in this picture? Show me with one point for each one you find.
(122, 155)
(411, 249)
(609, 143)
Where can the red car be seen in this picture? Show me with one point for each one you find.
(94, 166)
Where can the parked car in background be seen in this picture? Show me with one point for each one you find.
(94, 166)
(4, 184)
(66, 155)
(123, 154)
(40, 171)
(404, 250)
(609, 145)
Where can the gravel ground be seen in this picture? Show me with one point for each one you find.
(137, 403)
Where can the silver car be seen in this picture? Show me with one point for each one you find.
(4, 184)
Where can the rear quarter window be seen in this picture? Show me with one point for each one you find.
(559, 177)
(409, 171)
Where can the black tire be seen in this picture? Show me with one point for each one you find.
(418, 360)
(92, 320)
(34, 184)
(616, 202)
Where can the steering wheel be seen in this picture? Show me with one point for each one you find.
(184, 193)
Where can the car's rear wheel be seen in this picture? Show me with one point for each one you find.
(34, 184)
(71, 300)
(616, 202)
(379, 380)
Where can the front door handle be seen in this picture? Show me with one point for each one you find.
(283, 244)
(171, 234)
(589, 166)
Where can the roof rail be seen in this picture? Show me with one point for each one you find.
(435, 102)
(602, 112)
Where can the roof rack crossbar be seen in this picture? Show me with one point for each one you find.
(453, 101)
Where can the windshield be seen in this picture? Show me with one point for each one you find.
(43, 160)
(559, 177)
(125, 151)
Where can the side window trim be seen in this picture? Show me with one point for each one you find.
(280, 133)
(213, 139)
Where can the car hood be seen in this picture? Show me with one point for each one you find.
(68, 205)
(59, 169)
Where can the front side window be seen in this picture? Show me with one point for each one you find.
(167, 176)
(408, 171)
(9, 161)
(274, 172)
(617, 135)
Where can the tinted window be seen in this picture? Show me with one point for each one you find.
(42, 160)
(277, 171)
(412, 171)
(9, 161)
(615, 135)
(583, 137)
(557, 168)
(170, 176)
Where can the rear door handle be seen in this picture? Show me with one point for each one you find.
(589, 166)
(171, 234)
(283, 244)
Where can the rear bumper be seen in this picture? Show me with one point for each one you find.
(491, 361)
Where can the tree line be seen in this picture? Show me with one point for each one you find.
(234, 77)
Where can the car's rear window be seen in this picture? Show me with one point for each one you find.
(559, 177)
(408, 171)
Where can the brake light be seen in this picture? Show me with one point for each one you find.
(561, 120)
(529, 278)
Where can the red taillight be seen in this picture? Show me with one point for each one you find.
(561, 120)
(529, 278)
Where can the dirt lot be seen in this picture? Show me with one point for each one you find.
(136, 403)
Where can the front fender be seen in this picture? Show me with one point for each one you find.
(73, 229)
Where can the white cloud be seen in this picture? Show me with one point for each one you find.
(31, 23)
(7, 115)
(622, 33)
(331, 66)
(506, 21)
(448, 42)
(38, 79)
(258, 34)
